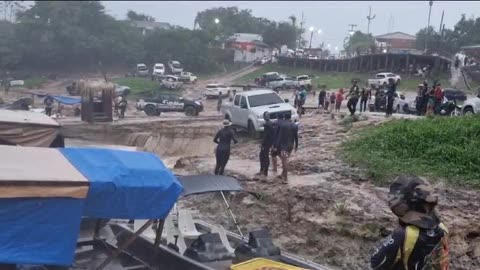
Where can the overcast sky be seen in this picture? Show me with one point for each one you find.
(332, 17)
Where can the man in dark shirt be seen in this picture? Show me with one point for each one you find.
(365, 96)
(354, 95)
(321, 98)
(286, 142)
(223, 138)
(391, 89)
(267, 143)
(275, 152)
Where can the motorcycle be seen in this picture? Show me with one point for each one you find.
(450, 108)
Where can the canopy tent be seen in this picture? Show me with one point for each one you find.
(198, 184)
(67, 100)
(27, 128)
(45, 192)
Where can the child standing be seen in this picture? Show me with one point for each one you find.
(338, 101)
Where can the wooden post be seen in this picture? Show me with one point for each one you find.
(325, 67)
(370, 66)
(361, 62)
(407, 65)
(392, 64)
(386, 61)
(378, 63)
(349, 64)
(338, 65)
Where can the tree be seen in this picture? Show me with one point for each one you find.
(134, 16)
(359, 43)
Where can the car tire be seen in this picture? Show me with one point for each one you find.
(397, 110)
(284, 87)
(150, 110)
(227, 117)
(251, 129)
(406, 109)
(468, 111)
(398, 81)
(190, 111)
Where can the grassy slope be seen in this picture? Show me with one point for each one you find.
(35, 82)
(332, 79)
(444, 148)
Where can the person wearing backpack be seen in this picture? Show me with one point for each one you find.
(49, 103)
(421, 239)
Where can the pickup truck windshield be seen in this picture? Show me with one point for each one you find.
(176, 65)
(142, 68)
(264, 99)
(381, 76)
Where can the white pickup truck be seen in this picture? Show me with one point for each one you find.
(381, 79)
(248, 107)
(304, 80)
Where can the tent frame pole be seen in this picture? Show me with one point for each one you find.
(124, 245)
(231, 213)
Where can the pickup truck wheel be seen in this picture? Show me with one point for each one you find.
(251, 129)
(284, 87)
(150, 110)
(227, 117)
(190, 111)
(468, 111)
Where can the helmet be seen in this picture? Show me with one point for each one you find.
(408, 197)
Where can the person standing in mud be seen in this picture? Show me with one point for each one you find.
(223, 139)
(267, 143)
(219, 102)
(339, 100)
(286, 142)
(332, 100)
(275, 152)
(420, 241)
(49, 103)
(321, 98)
(391, 89)
(354, 95)
(365, 95)
(122, 105)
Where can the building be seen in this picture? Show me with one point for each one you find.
(146, 26)
(397, 42)
(248, 47)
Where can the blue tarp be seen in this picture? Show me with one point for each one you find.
(39, 230)
(125, 184)
(62, 99)
(67, 100)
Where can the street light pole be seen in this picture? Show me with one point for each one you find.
(428, 26)
(311, 36)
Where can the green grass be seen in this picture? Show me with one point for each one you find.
(35, 82)
(334, 80)
(438, 148)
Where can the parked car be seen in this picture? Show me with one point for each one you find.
(248, 107)
(158, 69)
(175, 67)
(187, 77)
(141, 70)
(169, 82)
(283, 83)
(169, 103)
(213, 90)
(304, 80)
(266, 78)
(381, 79)
(471, 106)
(454, 94)
(265, 60)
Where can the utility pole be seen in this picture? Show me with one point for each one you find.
(301, 30)
(369, 18)
(352, 28)
(428, 26)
